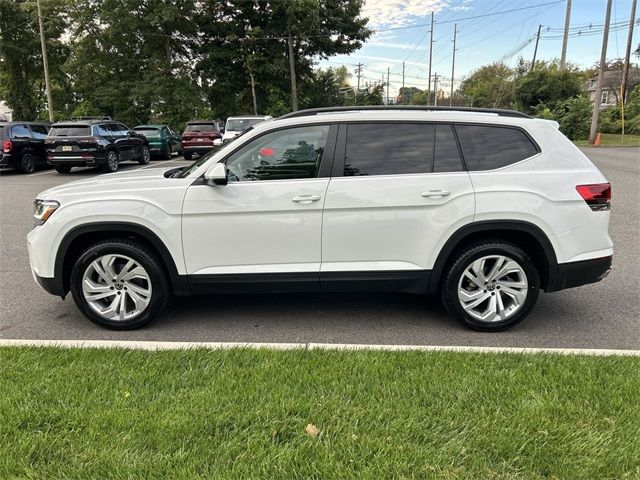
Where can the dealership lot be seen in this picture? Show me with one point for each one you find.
(604, 315)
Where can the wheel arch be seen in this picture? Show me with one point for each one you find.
(82, 237)
(523, 234)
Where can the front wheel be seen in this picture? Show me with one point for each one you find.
(491, 286)
(119, 284)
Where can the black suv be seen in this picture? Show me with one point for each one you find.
(23, 145)
(100, 143)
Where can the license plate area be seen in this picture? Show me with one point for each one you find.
(67, 148)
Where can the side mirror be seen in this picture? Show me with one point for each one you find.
(216, 175)
(217, 142)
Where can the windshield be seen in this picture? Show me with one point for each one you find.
(70, 131)
(242, 124)
(148, 132)
(201, 127)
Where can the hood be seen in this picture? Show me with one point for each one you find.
(134, 180)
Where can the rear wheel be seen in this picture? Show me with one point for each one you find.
(145, 155)
(28, 163)
(111, 165)
(63, 168)
(119, 284)
(169, 152)
(491, 286)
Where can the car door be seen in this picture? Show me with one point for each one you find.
(120, 140)
(38, 135)
(398, 190)
(264, 226)
(132, 141)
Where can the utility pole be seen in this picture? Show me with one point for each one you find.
(253, 94)
(453, 61)
(292, 73)
(627, 56)
(430, 59)
(603, 60)
(402, 96)
(435, 89)
(535, 51)
(565, 38)
(45, 62)
(358, 74)
(388, 82)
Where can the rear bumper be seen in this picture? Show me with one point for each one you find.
(8, 161)
(197, 148)
(575, 274)
(76, 159)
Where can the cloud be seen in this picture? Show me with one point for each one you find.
(402, 46)
(399, 13)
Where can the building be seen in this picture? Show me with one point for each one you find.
(611, 86)
(5, 112)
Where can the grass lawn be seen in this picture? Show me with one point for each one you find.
(242, 414)
(611, 140)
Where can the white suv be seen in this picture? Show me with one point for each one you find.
(484, 207)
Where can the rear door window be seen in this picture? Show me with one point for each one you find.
(102, 131)
(20, 131)
(447, 157)
(487, 147)
(388, 148)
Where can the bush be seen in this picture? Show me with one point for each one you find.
(574, 117)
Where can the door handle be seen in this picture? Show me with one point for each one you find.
(436, 193)
(306, 199)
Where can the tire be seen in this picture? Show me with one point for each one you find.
(150, 277)
(63, 168)
(187, 155)
(113, 160)
(145, 156)
(168, 153)
(28, 163)
(477, 304)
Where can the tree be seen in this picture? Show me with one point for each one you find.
(547, 84)
(21, 71)
(489, 86)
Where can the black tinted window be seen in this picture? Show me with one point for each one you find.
(388, 148)
(201, 127)
(39, 131)
(447, 156)
(20, 131)
(488, 147)
(70, 131)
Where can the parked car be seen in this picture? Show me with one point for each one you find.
(198, 137)
(23, 145)
(162, 140)
(237, 125)
(484, 207)
(94, 143)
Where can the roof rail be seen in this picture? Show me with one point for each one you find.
(316, 111)
(88, 117)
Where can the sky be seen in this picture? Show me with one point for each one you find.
(500, 29)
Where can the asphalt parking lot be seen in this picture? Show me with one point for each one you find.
(604, 315)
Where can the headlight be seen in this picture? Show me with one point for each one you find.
(43, 209)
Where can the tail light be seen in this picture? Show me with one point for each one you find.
(7, 145)
(597, 195)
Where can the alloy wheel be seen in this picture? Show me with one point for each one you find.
(493, 288)
(117, 287)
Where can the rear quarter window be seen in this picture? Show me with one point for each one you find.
(487, 147)
(20, 131)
